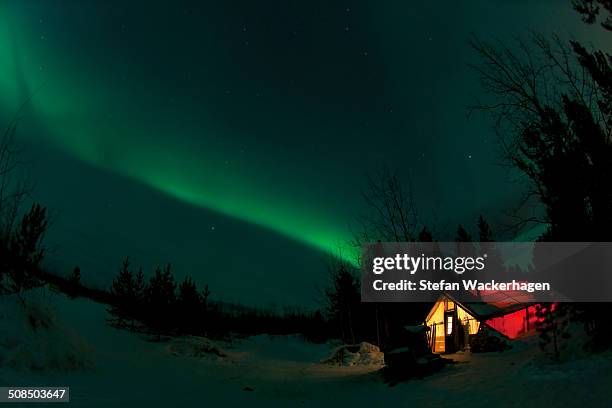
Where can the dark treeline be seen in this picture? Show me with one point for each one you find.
(160, 305)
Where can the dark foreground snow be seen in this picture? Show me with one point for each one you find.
(105, 367)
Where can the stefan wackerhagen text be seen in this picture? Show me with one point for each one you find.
(537, 272)
(457, 264)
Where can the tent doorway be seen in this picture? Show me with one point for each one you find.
(450, 344)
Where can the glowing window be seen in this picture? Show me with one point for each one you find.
(449, 325)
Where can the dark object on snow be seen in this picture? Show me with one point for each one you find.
(485, 341)
(355, 354)
(402, 365)
(408, 356)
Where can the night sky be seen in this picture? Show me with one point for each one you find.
(232, 138)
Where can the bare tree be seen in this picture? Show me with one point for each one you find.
(14, 188)
(21, 231)
(551, 111)
(392, 215)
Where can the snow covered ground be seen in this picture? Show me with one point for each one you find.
(105, 367)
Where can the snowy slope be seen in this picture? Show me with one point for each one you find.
(120, 369)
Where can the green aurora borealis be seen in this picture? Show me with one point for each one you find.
(71, 107)
(270, 115)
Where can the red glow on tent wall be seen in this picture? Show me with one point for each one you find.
(515, 324)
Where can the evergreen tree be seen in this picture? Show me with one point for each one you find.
(494, 262)
(484, 231)
(126, 297)
(465, 247)
(205, 296)
(189, 306)
(552, 325)
(161, 300)
(425, 235)
(344, 301)
(25, 250)
(462, 235)
(139, 286)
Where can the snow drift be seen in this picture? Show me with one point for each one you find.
(33, 337)
(355, 354)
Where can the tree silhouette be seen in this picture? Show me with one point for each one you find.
(425, 235)
(551, 104)
(161, 300)
(25, 250)
(592, 9)
(189, 306)
(462, 234)
(465, 247)
(484, 230)
(127, 291)
(205, 296)
(392, 215)
(14, 191)
(488, 247)
(343, 301)
(552, 325)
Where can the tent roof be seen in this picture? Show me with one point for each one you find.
(494, 303)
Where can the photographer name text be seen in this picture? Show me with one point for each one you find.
(465, 284)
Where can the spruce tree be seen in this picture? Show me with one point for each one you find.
(124, 292)
(484, 230)
(425, 235)
(465, 247)
(552, 326)
(343, 301)
(205, 296)
(25, 250)
(161, 300)
(488, 248)
(189, 306)
(462, 234)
